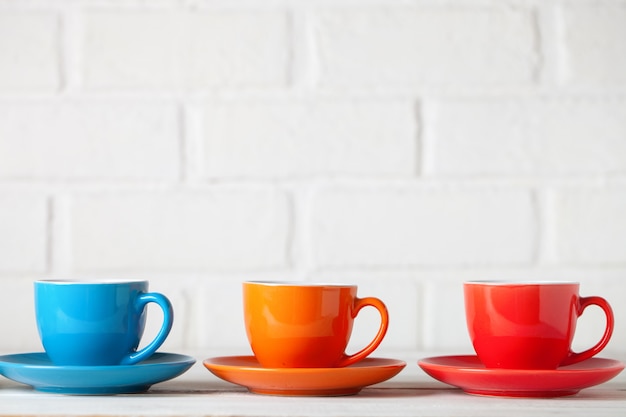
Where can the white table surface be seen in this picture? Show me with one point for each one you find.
(410, 393)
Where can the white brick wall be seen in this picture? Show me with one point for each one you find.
(240, 229)
(81, 139)
(179, 50)
(403, 47)
(591, 32)
(23, 232)
(316, 137)
(29, 47)
(402, 146)
(539, 136)
(590, 226)
(409, 226)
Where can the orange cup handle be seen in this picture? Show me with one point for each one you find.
(583, 303)
(359, 303)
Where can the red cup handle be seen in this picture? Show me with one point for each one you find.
(583, 303)
(359, 303)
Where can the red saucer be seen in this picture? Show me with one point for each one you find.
(469, 374)
(246, 371)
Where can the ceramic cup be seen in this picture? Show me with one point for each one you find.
(529, 325)
(299, 325)
(97, 323)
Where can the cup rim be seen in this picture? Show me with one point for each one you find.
(270, 283)
(501, 282)
(104, 281)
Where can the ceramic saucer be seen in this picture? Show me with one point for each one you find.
(246, 371)
(469, 374)
(37, 370)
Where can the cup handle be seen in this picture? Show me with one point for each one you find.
(168, 318)
(583, 303)
(359, 303)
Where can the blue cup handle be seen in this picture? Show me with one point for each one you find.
(168, 319)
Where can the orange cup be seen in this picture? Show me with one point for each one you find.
(299, 325)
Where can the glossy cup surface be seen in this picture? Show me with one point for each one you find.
(528, 325)
(97, 323)
(292, 325)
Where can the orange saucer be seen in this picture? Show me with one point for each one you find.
(246, 371)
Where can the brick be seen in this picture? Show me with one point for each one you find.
(29, 52)
(416, 47)
(215, 229)
(280, 139)
(131, 49)
(590, 225)
(422, 226)
(445, 326)
(23, 232)
(594, 41)
(165, 50)
(237, 49)
(220, 323)
(17, 307)
(88, 140)
(534, 136)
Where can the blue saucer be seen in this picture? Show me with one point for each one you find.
(37, 370)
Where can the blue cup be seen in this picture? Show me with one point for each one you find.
(97, 323)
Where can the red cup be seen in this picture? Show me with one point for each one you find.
(529, 325)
